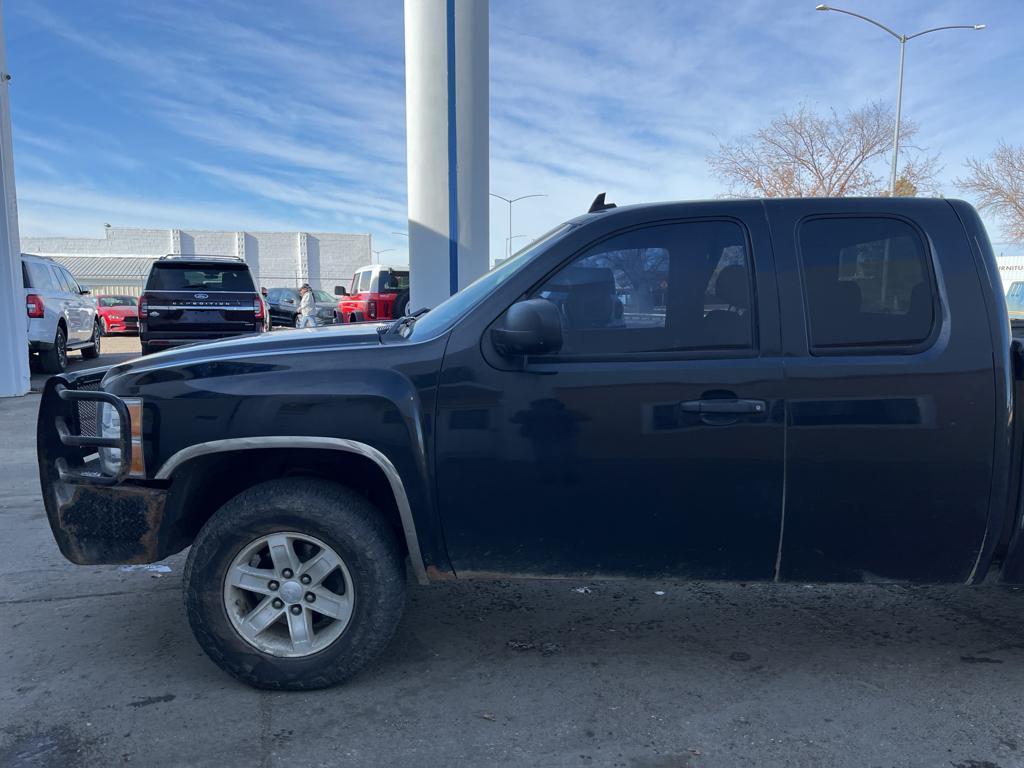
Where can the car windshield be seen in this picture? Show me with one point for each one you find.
(324, 296)
(193, 277)
(117, 301)
(451, 309)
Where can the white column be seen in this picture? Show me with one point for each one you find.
(446, 93)
(14, 375)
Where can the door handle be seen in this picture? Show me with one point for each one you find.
(723, 406)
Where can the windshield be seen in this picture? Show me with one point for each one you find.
(451, 309)
(324, 296)
(117, 301)
(192, 277)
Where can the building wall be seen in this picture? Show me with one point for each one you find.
(277, 259)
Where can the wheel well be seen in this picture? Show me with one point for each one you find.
(62, 324)
(204, 484)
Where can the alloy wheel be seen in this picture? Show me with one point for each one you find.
(289, 594)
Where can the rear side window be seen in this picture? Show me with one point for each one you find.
(36, 276)
(191, 277)
(69, 281)
(866, 282)
(392, 280)
(61, 280)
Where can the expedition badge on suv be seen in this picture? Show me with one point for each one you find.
(198, 298)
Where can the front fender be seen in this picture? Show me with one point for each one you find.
(378, 401)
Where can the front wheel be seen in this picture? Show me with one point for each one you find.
(295, 584)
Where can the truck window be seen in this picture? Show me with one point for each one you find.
(662, 288)
(866, 281)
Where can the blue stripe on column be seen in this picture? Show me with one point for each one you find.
(453, 158)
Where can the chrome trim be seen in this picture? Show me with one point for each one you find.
(331, 443)
(170, 307)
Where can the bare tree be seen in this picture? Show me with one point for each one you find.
(998, 183)
(803, 154)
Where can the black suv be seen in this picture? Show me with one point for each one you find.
(198, 298)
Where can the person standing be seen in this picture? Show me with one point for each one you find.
(307, 308)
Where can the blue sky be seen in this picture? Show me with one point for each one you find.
(227, 114)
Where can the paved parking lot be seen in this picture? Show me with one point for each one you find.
(100, 669)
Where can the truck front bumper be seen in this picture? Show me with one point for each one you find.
(95, 518)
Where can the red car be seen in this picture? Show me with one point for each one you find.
(378, 292)
(118, 314)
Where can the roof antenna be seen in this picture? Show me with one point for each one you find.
(599, 204)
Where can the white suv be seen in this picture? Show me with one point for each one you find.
(61, 315)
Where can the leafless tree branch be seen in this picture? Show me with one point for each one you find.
(803, 154)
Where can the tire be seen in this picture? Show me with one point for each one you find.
(372, 569)
(146, 348)
(55, 359)
(93, 350)
(401, 305)
(103, 328)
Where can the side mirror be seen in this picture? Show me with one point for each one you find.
(340, 290)
(263, 291)
(530, 327)
(84, 291)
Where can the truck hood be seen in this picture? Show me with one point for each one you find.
(239, 347)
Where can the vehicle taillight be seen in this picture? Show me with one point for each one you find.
(371, 309)
(34, 305)
(143, 307)
(257, 308)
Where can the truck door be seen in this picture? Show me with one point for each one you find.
(889, 389)
(652, 442)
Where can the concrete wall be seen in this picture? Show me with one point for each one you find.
(324, 259)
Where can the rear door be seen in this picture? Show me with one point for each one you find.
(652, 443)
(70, 302)
(201, 299)
(890, 391)
(82, 305)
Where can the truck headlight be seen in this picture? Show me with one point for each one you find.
(110, 426)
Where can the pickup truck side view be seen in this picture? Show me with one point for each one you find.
(815, 390)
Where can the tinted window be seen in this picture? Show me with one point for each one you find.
(867, 282)
(71, 283)
(392, 280)
(37, 276)
(60, 279)
(659, 289)
(191, 277)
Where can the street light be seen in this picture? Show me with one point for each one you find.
(513, 200)
(403, 234)
(378, 253)
(899, 92)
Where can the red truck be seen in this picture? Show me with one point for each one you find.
(378, 292)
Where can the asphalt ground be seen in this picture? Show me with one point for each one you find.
(99, 669)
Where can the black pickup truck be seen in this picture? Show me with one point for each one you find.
(783, 390)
